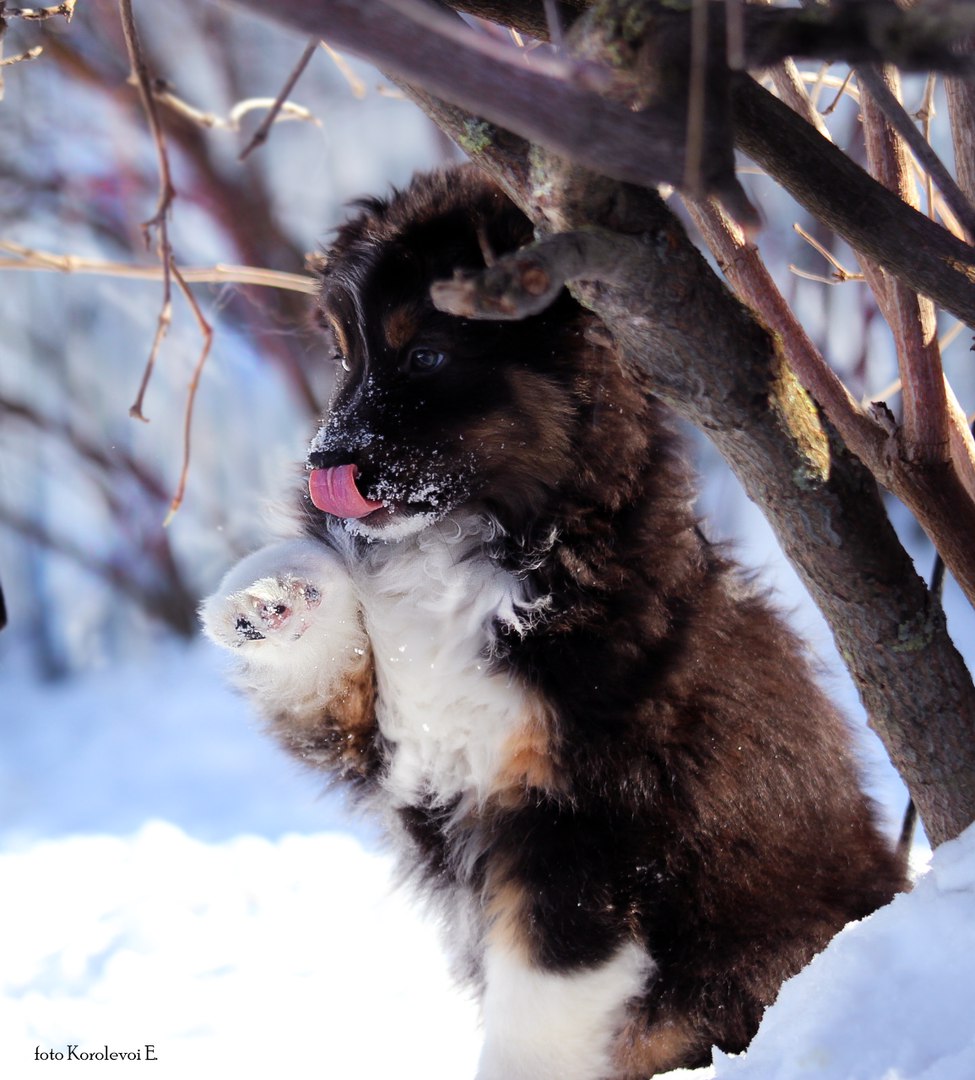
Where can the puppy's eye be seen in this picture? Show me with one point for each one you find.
(422, 361)
(343, 362)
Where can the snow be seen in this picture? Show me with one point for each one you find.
(171, 880)
(231, 959)
(891, 998)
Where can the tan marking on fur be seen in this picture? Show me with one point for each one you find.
(527, 442)
(528, 759)
(353, 706)
(641, 1051)
(338, 733)
(401, 326)
(507, 907)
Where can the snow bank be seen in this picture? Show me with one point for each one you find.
(891, 998)
(294, 958)
(245, 958)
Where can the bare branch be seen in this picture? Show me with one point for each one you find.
(219, 274)
(833, 188)
(66, 9)
(206, 332)
(144, 83)
(912, 318)
(167, 193)
(840, 272)
(645, 146)
(356, 85)
(894, 112)
(260, 135)
(528, 281)
(544, 100)
(30, 54)
(743, 266)
(163, 323)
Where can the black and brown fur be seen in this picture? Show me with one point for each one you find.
(680, 779)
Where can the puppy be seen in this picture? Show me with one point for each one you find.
(591, 740)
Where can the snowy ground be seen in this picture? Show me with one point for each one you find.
(156, 891)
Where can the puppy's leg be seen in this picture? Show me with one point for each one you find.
(547, 1025)
(289, 614)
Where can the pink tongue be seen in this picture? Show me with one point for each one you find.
(334, 491)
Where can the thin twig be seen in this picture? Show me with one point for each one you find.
(818, 80)
(926, 115)
(843, 89)
(167, 193)
(924, 437)
(356, 85)
(841, 272)
(260, 135)
(29, 54)
(836, 279)
(163, 324)
(206, 331)
(555, 33)
(231, 122)
(218, 274)
(66, 9)
(787, 80)
(144, 83)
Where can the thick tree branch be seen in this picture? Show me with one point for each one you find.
(528, 281)
(645, 147)
(550, 104)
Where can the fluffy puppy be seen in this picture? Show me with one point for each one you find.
(591, 740)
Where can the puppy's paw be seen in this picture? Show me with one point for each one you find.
(276, 610)
(276, 596)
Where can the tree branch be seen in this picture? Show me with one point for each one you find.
(260, 135)
(873, 79)
(545, 101)
(924, 436)
(220, 274)
(644, 147)
(835, 189)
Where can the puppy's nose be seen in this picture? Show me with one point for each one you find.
(329, 459)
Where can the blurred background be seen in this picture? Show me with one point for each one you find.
(113, 711)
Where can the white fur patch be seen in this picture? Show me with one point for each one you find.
(429, 604)
(544, 1026)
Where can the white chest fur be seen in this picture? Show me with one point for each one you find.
(430, 605)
